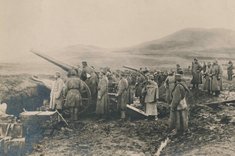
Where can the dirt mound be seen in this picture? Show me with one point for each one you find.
(19, 92)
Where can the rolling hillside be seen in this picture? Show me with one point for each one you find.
(190, 42)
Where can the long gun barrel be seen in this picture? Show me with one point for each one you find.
(64, 66)
(133, 69)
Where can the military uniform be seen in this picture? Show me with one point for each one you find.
(197, 75)
(122, 96)
(208, 79)
(152, 94)
(179, 108)
(73, 97)
(56, 95)
(169, 85)
(102, 102)
(216, 84)
(230, 71)
(92, 83)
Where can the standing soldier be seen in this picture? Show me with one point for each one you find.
(151, 97)
(179, 108)
(138, 88)
(102, 108)
(89, 76)
(72, 89)
(56, 96)
(131, 88)
(122, 95)
(169, 85)
(220, 76)
(179, 70)
(196, 72)
(216, 73)
(230, 71)
(208, 78)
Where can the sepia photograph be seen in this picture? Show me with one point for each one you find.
(117, 78)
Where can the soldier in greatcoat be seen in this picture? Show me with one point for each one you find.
(122, 95)
(56, 95)
(179, 108)
(169, 85)
(131, 89)
(230, 71)
(179, 70)
(151, 97)
(216, 83)
(196, 73)
(102, 108)
(138, 88)
(208, 78)
(73, 99)
(88, 75)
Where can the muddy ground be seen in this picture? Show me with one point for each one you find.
(211, 128)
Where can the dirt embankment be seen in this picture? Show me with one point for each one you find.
(19, 92)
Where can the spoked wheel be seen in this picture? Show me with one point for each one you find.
(86, 99)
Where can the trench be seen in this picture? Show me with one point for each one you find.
(30, 98)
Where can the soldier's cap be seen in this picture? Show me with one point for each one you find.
(72, 72)
(151, 77)
(178, 77)
(84, 62)
(108, 74)
(195, 59)
(103, 71)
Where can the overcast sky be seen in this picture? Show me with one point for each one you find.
(53, 24)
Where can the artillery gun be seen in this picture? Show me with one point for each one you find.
(85, 92)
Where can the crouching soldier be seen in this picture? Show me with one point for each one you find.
(151, 97)
(73, 98)
(179, 108)
(122, 95)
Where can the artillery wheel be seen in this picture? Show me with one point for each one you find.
(86, 99)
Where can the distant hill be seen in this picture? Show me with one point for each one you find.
(191, 40)
(179, 47)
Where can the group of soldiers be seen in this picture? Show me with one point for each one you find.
(142, 85)
(210, 75)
